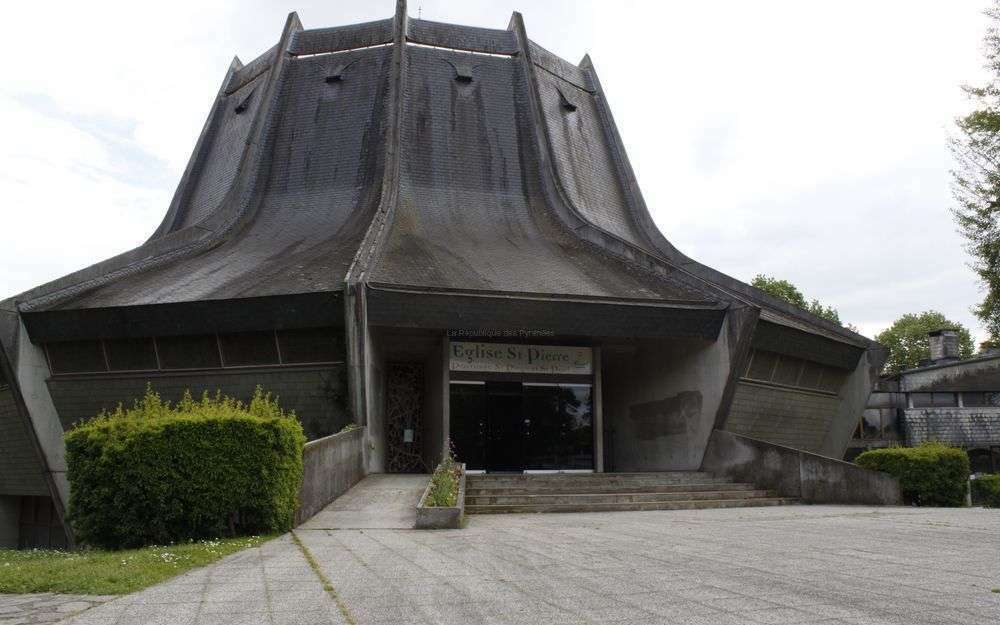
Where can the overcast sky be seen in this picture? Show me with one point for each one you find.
(799, 139)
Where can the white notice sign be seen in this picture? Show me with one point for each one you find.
(514, 358)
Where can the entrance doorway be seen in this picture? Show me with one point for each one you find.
(529, 426)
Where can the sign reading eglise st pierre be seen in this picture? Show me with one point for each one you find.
(514, 358)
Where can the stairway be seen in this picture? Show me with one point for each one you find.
(599, 492)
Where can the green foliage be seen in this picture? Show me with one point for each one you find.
(160, 474)
(907, 339)
(94, 572)
(445, 484)
(976, 180)
(986, 491)
(350, 427)
(783, 289)
(933, 474)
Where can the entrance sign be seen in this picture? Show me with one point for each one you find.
(516, 358)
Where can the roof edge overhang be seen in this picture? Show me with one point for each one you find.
(300, 310)
(533, 314)
(800, 343)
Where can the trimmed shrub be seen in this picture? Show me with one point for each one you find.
(159, 474)
(933, 474)
(986, 491)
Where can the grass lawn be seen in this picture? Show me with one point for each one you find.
(92, 572)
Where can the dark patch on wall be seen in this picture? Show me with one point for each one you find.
(318, 395)
(672, 416)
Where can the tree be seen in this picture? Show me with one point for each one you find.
(783, 289)
(907, 339)
(976, 180)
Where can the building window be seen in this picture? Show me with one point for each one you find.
(980, 399)
(131, 355)
(871, 424)
(189, 352)
(762, 365)
(933, 400)
(206, 351)
(309, 346)
(794, 372)
(249, 348)
(76, 357)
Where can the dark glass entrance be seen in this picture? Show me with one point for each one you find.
(513, 427)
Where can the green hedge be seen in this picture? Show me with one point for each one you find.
(932, 474)
(159, 474)
(986, 491)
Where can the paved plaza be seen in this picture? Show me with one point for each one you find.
(794, 564)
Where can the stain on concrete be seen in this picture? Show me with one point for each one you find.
(679, 415)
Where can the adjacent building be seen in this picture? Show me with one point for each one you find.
(432, 231)
(944, 399)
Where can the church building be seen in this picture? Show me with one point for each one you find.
(434, 232)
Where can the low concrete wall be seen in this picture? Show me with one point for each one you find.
(795, 473)
(434, 518)
(331, 465)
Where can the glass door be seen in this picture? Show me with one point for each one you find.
(505, 427)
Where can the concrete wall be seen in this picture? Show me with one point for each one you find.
(10, 513)
(318, 395)
(32, 372)
(375, 448)
(794, 473)
(853, 397)
(783, 416)
(331, 466)
(660, 402)
(968, 427)
(979, 374)
(435, 396)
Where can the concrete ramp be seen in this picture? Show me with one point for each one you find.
(380, 501)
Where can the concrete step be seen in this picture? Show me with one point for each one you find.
(691, 504)
(614, 479)
(545, 500)
(486, 489)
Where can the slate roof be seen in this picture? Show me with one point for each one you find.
(409, 153)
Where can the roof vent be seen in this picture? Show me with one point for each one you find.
(337, 75)
(463, 71)
(564, 102)
(245, 102)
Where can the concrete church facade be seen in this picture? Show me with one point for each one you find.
(432, 231)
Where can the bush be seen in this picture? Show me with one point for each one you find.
(986, 491)
(160, 474)
(932, 474)
(444, 484)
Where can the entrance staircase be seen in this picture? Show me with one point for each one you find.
(599, 492)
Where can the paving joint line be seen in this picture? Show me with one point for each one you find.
(327, 584)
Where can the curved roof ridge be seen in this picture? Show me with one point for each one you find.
(171, 246)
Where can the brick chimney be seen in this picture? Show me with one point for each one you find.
(944, 346)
